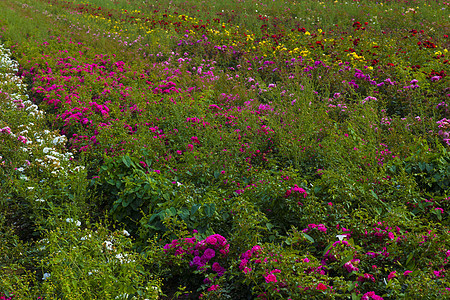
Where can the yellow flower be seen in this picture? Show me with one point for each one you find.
(307, 33)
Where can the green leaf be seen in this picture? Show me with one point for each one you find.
(374, 194)
(126, 160)
(410, 256)
(308, 237)
(184, 214)
(327, 248)
(351, 286)
(128, 200)
(153, 217)
(421, 166)
(136, 204)
(438, 214)
(173, 211)
(148, 162)
(194, 209)
(207, 210)
(437, 177)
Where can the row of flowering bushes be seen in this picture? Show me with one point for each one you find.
(289, 156)
(42, 191)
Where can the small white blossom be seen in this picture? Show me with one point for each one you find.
(341, 236)
(70, 220)
(108, 245)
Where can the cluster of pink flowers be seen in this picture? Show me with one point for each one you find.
(177, 247)
(366, 277)
(444, 129)
(271, 277)
(247, 255)
(387, 232)
(6, 130)
(202, 251)
(297, 192)
(351, 265)
(319, 227)
(371, 295)
(295, 189)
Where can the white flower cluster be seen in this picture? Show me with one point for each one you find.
(108, 245)
(70, 220)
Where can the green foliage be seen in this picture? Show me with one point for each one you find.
(430, 168)
(94, 263)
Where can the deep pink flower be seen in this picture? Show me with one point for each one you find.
(372, 295)
(438, 273)
(366, 277)
(213, 287)
(391, 235)
(271, 278)
(22, 139)
(197, 261)
(211, 240)
(392, 275)
(195, 140)
(243, 264)
(209, 253)
(216, 267)
(407, 272)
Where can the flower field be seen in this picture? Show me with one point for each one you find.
(244, 149)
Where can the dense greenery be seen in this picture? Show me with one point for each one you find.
(232, 150)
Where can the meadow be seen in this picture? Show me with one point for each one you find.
(237, 149)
